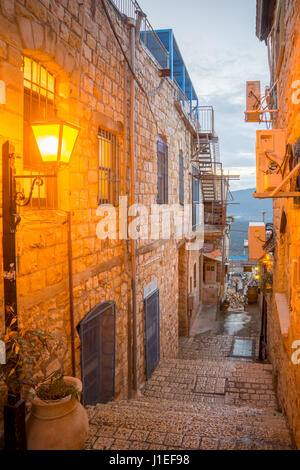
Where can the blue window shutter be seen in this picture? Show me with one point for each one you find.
(166, 199)
(162, 172)
(181, 179)
(196, 197)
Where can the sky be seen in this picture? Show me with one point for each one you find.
(221, 52)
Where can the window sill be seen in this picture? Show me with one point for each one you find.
(283, 313)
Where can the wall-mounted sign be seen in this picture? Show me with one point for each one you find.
(150, 288)
(2, 92)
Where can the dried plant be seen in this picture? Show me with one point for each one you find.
(34, 360)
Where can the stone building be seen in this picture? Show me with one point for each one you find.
(103, 69)
(278, 23)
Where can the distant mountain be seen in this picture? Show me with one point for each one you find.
(248, 210)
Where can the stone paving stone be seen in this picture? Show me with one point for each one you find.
(123, 433)
(156, 437)
(139, 435)
(209, 444)
(139, 446)
(105, 431)
(120, 444)
(103, 443)
(203, 400)
(227, 444)
(191, 442)
(173, 439)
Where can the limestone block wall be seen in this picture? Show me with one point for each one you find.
(73, 41)
(286, 270)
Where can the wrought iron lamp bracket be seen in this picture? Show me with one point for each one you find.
(38, 180)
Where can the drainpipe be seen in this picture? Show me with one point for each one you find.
(132, 25)
(124, 192)
(71, 297)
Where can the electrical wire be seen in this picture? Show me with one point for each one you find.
(128, 62)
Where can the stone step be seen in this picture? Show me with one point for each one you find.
(233, 383)
(144, 423)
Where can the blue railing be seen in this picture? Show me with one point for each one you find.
(148, 36)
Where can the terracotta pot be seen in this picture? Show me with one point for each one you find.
(57, 425)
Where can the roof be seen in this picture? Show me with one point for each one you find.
(179, 71)
(264, 18)
(214, 255)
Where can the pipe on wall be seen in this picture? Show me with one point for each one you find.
(71, 297)
(124, 192)
(132, 25)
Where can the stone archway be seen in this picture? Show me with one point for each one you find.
(42, 43)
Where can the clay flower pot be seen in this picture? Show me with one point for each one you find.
(57, 425)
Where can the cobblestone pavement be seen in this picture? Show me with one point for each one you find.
(206, 399)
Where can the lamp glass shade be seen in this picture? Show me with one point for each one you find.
(47, 139)
(69, 136)
(55, 140)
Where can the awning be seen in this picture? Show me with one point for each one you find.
(214, 255)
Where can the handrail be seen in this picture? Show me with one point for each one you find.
(148, 36)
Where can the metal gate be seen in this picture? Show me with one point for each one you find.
(152, 333)
(97, 333)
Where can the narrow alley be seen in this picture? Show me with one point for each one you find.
(215, 397)
(149, 234)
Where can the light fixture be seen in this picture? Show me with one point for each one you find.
(55, 140)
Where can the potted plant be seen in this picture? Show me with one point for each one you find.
(35, 365)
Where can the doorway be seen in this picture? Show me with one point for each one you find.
(97, 333)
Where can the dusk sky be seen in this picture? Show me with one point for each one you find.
(218, 43)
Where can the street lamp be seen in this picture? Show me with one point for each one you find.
(56, 141)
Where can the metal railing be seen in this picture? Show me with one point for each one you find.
(186, 105)
(148, 36)
(206, 119)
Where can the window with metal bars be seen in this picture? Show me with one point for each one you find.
(39, 105)
(109, 158)
(162, 172)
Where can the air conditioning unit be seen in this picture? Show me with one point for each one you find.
(253, 99)
(270, 153)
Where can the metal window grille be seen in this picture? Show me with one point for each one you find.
(39, 104)
(109, 181)
(162, 172)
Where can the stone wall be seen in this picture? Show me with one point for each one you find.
(286, 270)
(74, 41)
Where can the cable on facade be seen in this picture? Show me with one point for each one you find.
(128, 62)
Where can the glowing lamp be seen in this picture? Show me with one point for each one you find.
(257, 277)
(55, 140)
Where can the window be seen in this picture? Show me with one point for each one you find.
(195, 276)
(162, 172)
(196, 199)
(39, 105)
(109, 183)
(181, 179)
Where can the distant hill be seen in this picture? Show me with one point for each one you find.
(248, 210)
